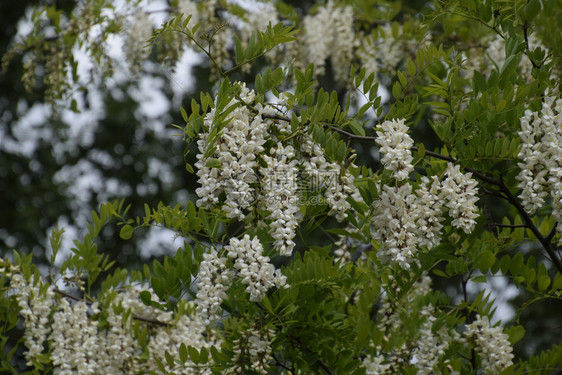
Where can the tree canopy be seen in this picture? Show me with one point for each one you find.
(347, 187)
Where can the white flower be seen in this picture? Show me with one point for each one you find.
(138, 32)
(430, 212)
(253, 268)
(35, 307)
(329, 33)
(214, 280)
(430, 347)
(541, 155)
(492, 345)
(236, 147)
(459, 190)
(395, 225)
(279, 189)
(395, 144)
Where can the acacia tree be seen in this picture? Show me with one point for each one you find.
(280, 158)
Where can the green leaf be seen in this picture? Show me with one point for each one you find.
(126, 232)
(543, 282)
(515, 334)
(194, 354)
(411, 67)
(479, 279)
(184, 115)
(146, 297)
(183, 353)
(357, 128)
(531, 10)
(169, 359)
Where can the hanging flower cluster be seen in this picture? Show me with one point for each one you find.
(102, 337)
(329, 33)
(459, 190)
(492, 345)
(541, 158)
(242, 174)
(405, 220)
(36, 301)
(252, 350)
(253, 268)
(214, 279)
(240, 141)
(396, 146)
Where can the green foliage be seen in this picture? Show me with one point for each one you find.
(346, 303)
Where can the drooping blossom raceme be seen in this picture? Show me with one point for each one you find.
(238, 143)
(382, 51)
(541, 155)
(430, 212)
(390, 322)
(118, 345)
(279, 189)
(74, 339)
(259, 18)
(318, 37)
(214, 280)
(253, 268)
(492, 345)
(394, 225)
(138, 32)
(188, 329)
(338, 182)
(252, 350)
(376, 365)
(329, 33)
(395, 144)
(343, 43)
(459, 190)
(431, 346)
(36, 302)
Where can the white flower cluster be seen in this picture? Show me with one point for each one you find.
(430, 212)
(396, 144)
(395, 225)
(214, 280)
(74, 340)
(77, 344)
(329, 33)
(376, 365)
(430, 346)
(36, 303)
(253, 268)
(459, 189)
(279, 189)
(405, 221)
(190, 330)
(492, 345)
(339, 183)
(383, 51)
(541, 155)
(253, 347)
(239, 141)
(138, 32)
